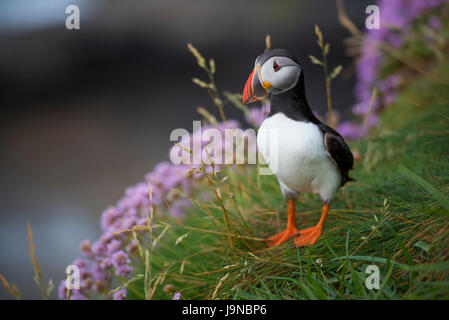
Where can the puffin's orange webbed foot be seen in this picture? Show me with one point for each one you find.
(281, 237)
(307, 237)
(289, 231)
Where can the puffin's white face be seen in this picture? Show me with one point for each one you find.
(277, 74)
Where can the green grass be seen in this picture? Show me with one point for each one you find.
(396, 216)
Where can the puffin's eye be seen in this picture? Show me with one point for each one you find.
(276, 67)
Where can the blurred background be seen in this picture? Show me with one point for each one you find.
(86, 113)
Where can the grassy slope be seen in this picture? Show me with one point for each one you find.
(395, 216)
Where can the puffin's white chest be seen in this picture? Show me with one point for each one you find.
(295, 152)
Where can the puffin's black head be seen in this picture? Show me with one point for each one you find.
(275, 71)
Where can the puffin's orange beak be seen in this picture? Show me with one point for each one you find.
(254, 91)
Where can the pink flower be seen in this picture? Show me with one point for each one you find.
(177, 296)
(120, 295)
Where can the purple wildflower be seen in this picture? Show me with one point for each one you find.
(113, 246)
(120, 295)
(123, 271)
(75, 294)
(62, 290)
(396, 18)
(120, 258)
(435, 22)
(350, 130)
(177, 296)
(86, 248)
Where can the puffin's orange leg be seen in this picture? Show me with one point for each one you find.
(290, 231)
(308, 237)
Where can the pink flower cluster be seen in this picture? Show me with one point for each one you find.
(396, 18)
(113, 253)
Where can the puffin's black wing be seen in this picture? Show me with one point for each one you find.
(339, 151)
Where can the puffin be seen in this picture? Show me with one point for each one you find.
(311, 157)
